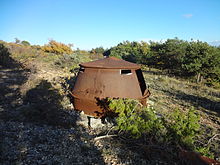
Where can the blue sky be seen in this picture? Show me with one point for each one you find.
(93, 23)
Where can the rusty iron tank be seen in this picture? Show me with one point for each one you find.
(107, 78)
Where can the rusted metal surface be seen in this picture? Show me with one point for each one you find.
(196, 159)
(110, 63)
(107, 78)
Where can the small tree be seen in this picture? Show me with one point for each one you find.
(98, 50)
(25, 43)
(130, 51)
(17, 41)
(197, 59)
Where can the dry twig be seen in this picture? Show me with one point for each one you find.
(213, 137)
(106, 136)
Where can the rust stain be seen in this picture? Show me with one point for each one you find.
(107, 78)
(196, 159)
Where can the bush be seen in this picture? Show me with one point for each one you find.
(4, 55)
(57, 48)
(25, 43)
(23, 53)
(177, 129)
(183, 128)
(135, 119)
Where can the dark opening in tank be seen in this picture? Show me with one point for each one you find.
(126, 72)
(141, 80)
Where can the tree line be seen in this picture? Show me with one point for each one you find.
(195, 60)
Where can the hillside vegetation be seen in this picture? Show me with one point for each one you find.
(39, 124)
(194, 60)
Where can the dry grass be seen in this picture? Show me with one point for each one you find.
(168, 93)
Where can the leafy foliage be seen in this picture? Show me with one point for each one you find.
(98, 50)
(25, 43)
(57, 48)
(183, 128)
(193, 60)
(178, 128)
(130, 51)
(168, 55)
(134, 118)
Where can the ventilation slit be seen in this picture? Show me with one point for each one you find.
(126, 72)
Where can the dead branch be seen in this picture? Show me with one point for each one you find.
(213, 137)
(105, 136)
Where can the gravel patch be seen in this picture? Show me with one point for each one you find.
(27, 143)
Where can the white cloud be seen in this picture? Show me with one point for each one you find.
(187, 15)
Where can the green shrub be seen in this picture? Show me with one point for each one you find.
(176, 129)
(25, 43)
(183, 128)
(134, 118)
